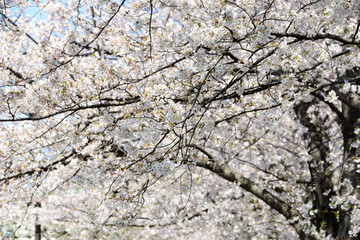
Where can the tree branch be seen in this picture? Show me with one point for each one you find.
(318, 36)
(64, 160)
(73, 109)
(231, 175)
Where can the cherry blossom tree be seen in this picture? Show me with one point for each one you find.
(180, 119)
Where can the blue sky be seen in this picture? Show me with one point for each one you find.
(36, 12)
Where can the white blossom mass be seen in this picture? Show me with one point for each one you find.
(180, 119)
